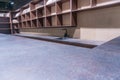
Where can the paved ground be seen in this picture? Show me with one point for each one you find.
(28, 59)
(111, 46)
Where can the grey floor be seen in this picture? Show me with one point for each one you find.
(28, 59)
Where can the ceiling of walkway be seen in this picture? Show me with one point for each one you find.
(4, 4)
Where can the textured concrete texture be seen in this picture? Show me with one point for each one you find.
(111, 46)
(28, 59)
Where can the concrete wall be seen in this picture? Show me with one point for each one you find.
(52, 31)
(100, 24)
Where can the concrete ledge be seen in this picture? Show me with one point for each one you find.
(111, 46)
(68, 41)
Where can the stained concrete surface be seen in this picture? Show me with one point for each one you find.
(28, 59)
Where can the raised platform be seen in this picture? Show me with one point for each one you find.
(69, 41)
(111, 46)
